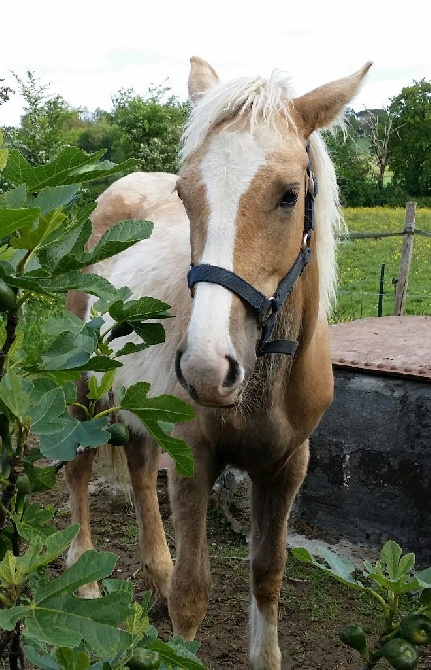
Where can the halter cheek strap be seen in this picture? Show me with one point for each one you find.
(263, 306)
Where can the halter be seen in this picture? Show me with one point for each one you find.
(266, 308)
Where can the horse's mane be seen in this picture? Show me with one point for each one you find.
(266, 100)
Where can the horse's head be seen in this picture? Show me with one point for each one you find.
(244, 184)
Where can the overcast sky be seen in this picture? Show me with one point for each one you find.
(88, 50)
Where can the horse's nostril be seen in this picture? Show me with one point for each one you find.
(233, 372)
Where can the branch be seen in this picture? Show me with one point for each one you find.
(11, 326)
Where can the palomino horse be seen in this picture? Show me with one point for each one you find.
(250, 347)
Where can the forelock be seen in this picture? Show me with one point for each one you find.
(261, 99)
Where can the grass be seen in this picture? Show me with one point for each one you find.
(360, 263)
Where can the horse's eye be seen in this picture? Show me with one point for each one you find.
(288, 199)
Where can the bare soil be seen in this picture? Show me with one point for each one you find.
(313, 607)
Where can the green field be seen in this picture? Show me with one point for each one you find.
(360, 262)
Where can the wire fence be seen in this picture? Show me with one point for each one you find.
(384, 279)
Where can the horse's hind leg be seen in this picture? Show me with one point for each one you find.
(271, 504)
(78, 474)
(191, 580)
(143, 456)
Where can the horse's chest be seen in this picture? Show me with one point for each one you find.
(244, 440)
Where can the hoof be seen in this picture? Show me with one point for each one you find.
(89, 591)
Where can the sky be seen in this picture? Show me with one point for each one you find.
(86, 51)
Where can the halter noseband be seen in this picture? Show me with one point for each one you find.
(263, 306)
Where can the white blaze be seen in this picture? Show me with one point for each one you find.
(228, 169)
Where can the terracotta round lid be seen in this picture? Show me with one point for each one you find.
(395, 345)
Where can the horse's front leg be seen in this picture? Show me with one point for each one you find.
(78, 475)
(271, 504)
(191, 579)
(143, 457)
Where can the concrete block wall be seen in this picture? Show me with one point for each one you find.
(369, 478)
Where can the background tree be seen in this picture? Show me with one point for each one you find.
(96, 131)
(351, 159)
(378, 127)
(42, 133)
(5, 92)
(151, 128)
(410, 145)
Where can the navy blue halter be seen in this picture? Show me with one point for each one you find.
(263, 306)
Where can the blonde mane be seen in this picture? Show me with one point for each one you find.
(265, 100)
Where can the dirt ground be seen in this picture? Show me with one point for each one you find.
(313, 607)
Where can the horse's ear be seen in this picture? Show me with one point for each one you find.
(202, 77)
(321, 106)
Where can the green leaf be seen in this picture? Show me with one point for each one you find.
(71, 166)
(401, 585)
(341, 568)
(55, 626)
(6, 252)
(90, 567)
(54, 197)
(14, 199)
(139, 310)
(39, 660)
(70, 350)
(72, 659)
(103, 305)
(406, 564)
(164, 409)
(131, 348)
(160, 408)
(56, 172)
(8, 570)
(32, 237)
(302, 554)
(424, 577)
(54, 545)
(100, 364)
(63, 249)
(63, 445)
(176, 656)
(44, 416)
(391, 554)
(67, 323)
(10, 616)
(151, 333)
(12, 220)
(80, 281)
(97, 391)
(121, 236)
(114, 585)
(56, 617)
(12, 394)
(137, 622)
(176, 448)
(42, 479)
(3, 157)
(33, 521)
(191, 645)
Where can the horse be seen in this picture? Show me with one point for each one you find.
(251, 222)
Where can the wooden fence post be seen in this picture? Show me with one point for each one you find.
(406, 257)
